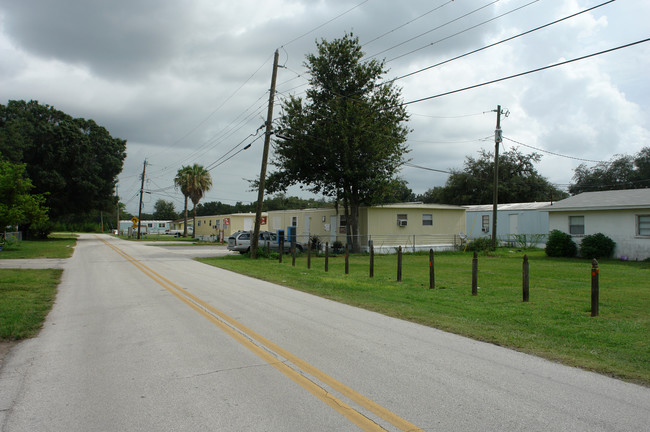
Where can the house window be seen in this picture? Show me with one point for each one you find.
(485, 223)
(576, 225)
(402, 219)
(643, 225)
(427, 219)
(150, 225)
(342, 224)
(210, 222)
(199, 223)
(161, 225)
(294, 221)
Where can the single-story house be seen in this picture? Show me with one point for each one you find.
(622, 215)
(514, 221)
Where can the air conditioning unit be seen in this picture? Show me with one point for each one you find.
(402, 222)
(485, 229)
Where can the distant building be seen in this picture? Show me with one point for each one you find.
(157, 227)
(622, 215)
(513, 221)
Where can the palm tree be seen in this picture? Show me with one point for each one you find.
(193, 182)
(182, 181)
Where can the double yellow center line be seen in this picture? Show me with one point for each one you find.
(264, 348)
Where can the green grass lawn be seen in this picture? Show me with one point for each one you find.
(555, 323)
(53, 247)
(26, 297)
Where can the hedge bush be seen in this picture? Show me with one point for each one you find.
(480, 244)
(560, 244)
(597, 246)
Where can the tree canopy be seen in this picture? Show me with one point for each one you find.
(519, 181)
(72, 162)
(164, 210)
(193, 182)
(345, 140)
(17, 205)
(621, 172)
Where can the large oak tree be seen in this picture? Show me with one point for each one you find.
(73, 162)
(346, 138)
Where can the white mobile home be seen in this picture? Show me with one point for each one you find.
(622, 215)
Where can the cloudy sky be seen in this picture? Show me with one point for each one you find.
(186, 82)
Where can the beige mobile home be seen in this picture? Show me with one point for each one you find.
(222, 226)
(414, 226)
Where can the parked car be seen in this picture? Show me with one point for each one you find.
(241, 242)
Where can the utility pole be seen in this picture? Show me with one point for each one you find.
(144, 168)
(497, 139)
(117, 211)
(265, 156)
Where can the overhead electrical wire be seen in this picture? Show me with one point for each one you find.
(550, 152)
(500, 42)
(325, 23)
(463, 31)
(408, 22)
(527, 72)
(434, 29)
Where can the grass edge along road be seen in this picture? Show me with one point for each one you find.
(27, 295)
(555, 323)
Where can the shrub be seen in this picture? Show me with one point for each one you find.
(597, 246)
(560, 244)
(480, 244)
(337, 247)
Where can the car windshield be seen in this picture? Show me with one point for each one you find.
(244, 236)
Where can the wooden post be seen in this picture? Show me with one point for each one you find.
(524, 273)
(372, 260)
(309, 255)
(474, 275)
(399, 264)
(281, 250)
(327, 255)
(293, 254)
(432, 275)
(347, 258)
(594, 287)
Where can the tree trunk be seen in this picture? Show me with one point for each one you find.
(185, 220)
(194, 221)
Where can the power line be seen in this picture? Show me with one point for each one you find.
(408, 164)
(434, 29)
(325, 23)
(463, 31)
(527, 72)
(500, 42)
(550, 152)
(408, 22)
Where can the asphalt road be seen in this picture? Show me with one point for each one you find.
(142, 338)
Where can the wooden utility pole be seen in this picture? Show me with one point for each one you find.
(117, 211)
(265, 156)
(144, 169)
(495, 201)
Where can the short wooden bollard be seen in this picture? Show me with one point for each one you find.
(347, 258)
(309, 256)
(293, 254)
(524, 273)
(327, 256)
(372, 260)
(281, 251)
(399, 264)
(474, 275)
(594, 287)
(432, 274)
